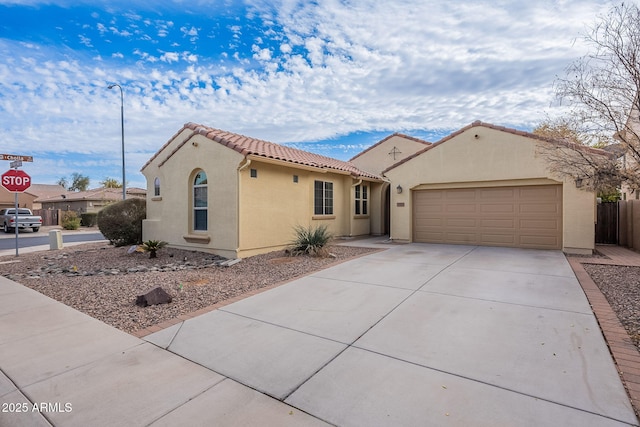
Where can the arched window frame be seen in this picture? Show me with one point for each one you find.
(156, 187)
(200, 204)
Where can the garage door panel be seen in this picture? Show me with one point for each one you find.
(526, 216)
(496, 193)
(539, 224)
(460, 194)
(539, 208)
(460, 208)
(543, 192)
(498, 239)
(508, 223)
(497, 208)
(462, 238)
(462, 223)
(539, 242)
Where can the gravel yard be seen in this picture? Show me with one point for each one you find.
(103, 281)
(621, 286)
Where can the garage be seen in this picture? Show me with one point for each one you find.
(517, 216)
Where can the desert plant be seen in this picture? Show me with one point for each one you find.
(70, 220)
(153, 246)
(310, 240)
(121, 222)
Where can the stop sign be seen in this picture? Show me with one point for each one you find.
(16, 181)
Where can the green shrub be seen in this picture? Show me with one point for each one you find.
(310, 240)
(121, 222)
(153, 246)
(70, 220)
(89, 219)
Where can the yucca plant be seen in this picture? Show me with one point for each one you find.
(153, 246)
(310, 240)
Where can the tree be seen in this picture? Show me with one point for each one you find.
(110, 183)
(63, 182)
(78, 182)
(603, 90)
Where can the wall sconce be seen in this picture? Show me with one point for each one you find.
(578, 182)
(399, 189)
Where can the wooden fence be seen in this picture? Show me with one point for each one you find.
(607, 225)
(629, 224)
(49, 216)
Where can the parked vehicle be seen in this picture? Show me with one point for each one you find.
(26, 219)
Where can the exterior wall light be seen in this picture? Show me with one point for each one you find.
(399, 189)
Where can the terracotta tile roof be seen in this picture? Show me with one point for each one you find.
(94, 194)
(45, 190)
(387, 138)
(252, 146)
(478, 123)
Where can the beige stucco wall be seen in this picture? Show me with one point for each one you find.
(247, 215)
(169, 217)
(272, 205)
(487, 157)
(378, 158)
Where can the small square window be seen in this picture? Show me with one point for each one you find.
(254, 173)
(295, 178)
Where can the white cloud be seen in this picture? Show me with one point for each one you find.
(318, 70)
(85, 40)
(170, 57)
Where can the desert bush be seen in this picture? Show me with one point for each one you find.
(121, 222)
(153, 246)
(89, 219)
(310, 240)
(70, 220)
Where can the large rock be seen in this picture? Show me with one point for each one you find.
(154, 296)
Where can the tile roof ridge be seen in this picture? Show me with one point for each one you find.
(246, 145)
(478, 123)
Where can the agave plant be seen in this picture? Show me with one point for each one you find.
(152, 246)
(310, 240)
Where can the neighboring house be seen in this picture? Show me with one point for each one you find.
(87, 201)
(28, 199)
(630, 137)
(483, 185)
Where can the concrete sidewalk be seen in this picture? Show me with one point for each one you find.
(414, 335)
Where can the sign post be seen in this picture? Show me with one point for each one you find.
(16, 181)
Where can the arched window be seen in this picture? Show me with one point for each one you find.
(156, 187)
(200, 203)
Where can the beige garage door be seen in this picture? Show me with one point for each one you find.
(525, 217)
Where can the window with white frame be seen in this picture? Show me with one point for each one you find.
(200, 202)
(323, 198)
(361, 200)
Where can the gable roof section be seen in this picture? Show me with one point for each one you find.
(252, 146)
(478, 123)
(45, 190)
(113, 194)
(427, 143)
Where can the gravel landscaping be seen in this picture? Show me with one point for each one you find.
(103, 281)
(621, 286)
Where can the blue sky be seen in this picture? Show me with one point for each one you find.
(329, 76)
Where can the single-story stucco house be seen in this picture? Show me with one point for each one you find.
(237, 196)
(91, 201)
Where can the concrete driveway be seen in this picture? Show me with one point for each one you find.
(417, 335)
